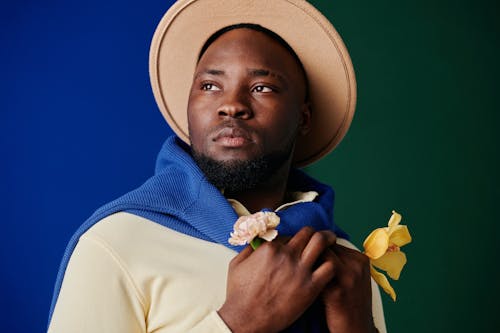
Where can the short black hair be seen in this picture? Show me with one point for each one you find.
(266, 31)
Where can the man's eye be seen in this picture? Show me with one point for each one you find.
(209, 86)
(262, 89)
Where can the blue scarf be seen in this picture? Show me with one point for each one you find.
(179, 197)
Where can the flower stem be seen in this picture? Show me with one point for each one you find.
(256, 242)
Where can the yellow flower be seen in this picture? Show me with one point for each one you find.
(382, 246)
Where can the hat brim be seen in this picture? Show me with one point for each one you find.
(332, 86)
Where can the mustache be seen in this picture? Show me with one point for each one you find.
(231, 129)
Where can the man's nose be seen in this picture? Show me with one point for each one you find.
(235, 105)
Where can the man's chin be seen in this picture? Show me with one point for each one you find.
(235, 174)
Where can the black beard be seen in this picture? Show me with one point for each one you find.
(241, 175)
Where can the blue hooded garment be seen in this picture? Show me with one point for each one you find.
(179, 197)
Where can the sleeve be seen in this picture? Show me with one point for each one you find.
(97, 294)
(212, 323)
(377, 309)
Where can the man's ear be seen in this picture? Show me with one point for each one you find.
(305, 119)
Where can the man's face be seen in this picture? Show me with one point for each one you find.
(247, 97)
(247, 100)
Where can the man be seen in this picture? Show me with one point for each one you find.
(158, 259)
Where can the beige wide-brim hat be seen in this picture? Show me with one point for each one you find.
(332, 86)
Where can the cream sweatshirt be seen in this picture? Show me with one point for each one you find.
(128, 274)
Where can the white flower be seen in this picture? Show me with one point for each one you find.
(261, 224)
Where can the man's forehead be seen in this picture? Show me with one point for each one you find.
(248, 26)
(262, 55)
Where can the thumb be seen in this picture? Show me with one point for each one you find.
(247, 251)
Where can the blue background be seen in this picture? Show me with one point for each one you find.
(79, 127)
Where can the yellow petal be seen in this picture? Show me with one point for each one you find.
(392, 263)
(383, 282)
(376, 243)
(395, 219)
(400, 235)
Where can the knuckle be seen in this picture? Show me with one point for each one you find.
(232, 264)
(330, 269)
(320, 239)
(307, 230)
(363, 259)
(362, 265)
(350, 283)
(329, 234)
(270, 248)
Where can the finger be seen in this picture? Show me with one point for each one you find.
(347, 253)
(318, 243)
(245, 253)
(355, 260)
(329, 255)
(298, 242)
(343, 249)
(282, 239)
(326, 271)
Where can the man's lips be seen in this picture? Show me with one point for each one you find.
(232, 137)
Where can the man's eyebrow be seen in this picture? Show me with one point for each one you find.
(211, 72)
(254, 72)
(265, 72)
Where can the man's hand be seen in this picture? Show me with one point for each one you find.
(268, 289)
(348, 297)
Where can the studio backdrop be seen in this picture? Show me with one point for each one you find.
(79, 127)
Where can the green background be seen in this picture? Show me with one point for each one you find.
(424, 141)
